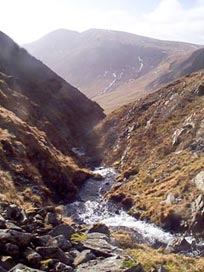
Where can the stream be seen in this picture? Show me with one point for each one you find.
(90, 207)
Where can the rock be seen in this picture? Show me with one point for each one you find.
(24, 268)
(63, 243)
(178, 245)
(22, 239)
(54, 253)
(170, 199)
(197, 208)
(199, 181)
(13, 212)
(60, 267)
(32, 257)
(100, 246)
(137, 268)
(162, 269)
(12, 250)
(83, 257)
(100, 228)
(199, 90)
(52, 218)
(63, 229)
(111, 264)
(2, 222)
(7, 262)
(44, 240)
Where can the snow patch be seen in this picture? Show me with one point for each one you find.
(141, 64)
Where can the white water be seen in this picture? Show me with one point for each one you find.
(91, 208)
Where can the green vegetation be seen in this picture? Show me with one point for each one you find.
(78, 237)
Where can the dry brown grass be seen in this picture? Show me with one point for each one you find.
(151, 258)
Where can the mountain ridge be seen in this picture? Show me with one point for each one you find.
(117, 67)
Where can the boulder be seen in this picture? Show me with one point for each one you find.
(100, 228)
(63, 243)
(178, 245)
(7, 262)
(60, 267)
(12, 250)
(32, 257)
(52, 218)
(197, 208)
(137, 268)
(83, 257)
(100, 246)
(63, 229)
(13, 212)
(54, 253)
(23, 268)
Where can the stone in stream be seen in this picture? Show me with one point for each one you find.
(100, 228)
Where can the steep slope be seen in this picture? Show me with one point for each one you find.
(110, 67)
(42, 118)
(157, 145)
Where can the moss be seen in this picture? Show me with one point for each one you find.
(78, 237)
(129, 264)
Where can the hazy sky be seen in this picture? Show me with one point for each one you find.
(27, 20)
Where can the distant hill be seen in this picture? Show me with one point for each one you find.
(110, 67)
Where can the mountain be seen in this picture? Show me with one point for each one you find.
(110, 67)
(43, 120)
(157, 145)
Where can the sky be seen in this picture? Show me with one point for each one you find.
(180, 20)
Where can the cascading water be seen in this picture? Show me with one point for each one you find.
(91, 208)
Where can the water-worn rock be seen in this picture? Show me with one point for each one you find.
(100, 228)
(179, 244)
(199, 181)
(63, 229)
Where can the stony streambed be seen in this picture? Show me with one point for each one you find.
(91, 208)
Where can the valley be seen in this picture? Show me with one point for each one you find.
(81, 191)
